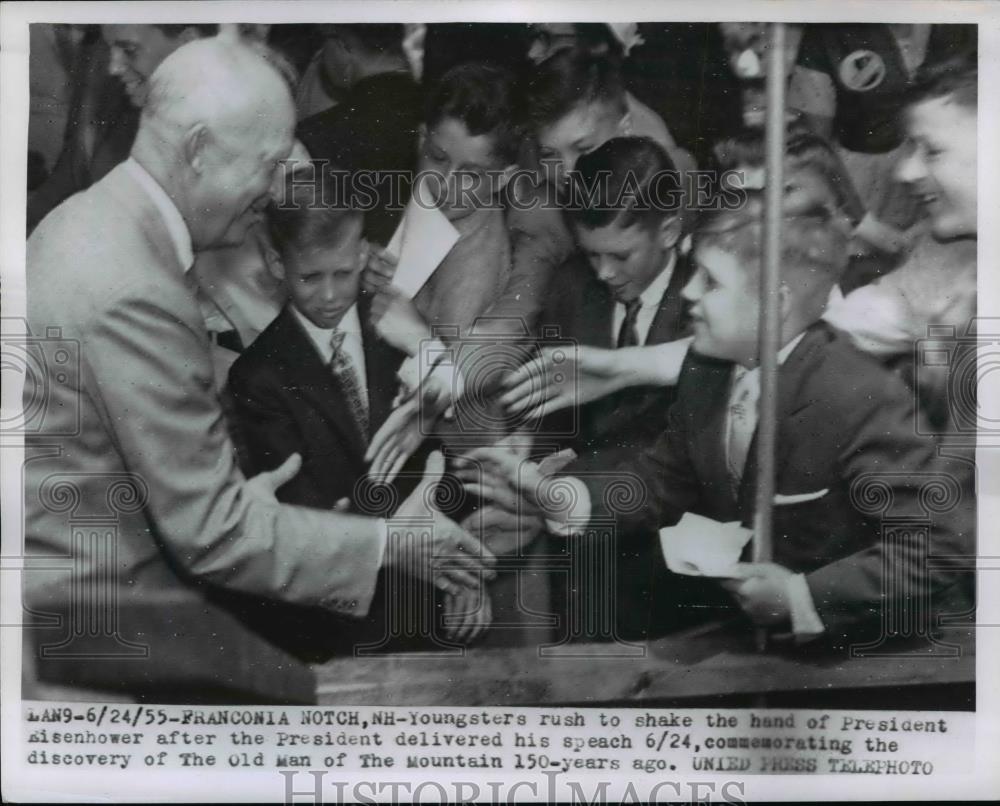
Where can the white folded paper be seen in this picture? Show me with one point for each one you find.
(421, 241)
(699, 546)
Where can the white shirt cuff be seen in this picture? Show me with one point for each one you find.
(434, 359)
(576, 517)
(806, 623)
(382, 536)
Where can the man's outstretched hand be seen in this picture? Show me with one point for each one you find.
(449, 557)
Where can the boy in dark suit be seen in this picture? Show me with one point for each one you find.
(623, 286)
(319, 381)
(850, 458)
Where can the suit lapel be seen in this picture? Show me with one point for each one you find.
(790, 403)
(314, 381)
(670, 323)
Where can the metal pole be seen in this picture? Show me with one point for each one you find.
(770, 314)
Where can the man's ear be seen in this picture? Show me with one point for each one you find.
(670, 231)
(785, 301)
(196, 142)
(421, 136)
(272, 259)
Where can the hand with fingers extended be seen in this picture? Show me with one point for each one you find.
(449, 556)
(397, 320)
(559, 378)
(467, 614)
(405, 429)
(516, 484)
(761, 590)
(379, 270)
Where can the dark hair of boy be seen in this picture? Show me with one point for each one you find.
(957, 78)
(309, 215)
(174, 30)
(481, 96)
(380, 38)
(814, 242)
(565, 81)
(625, 181)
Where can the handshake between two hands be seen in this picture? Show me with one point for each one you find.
(444, 554)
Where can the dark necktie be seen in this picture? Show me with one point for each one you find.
(627, 337)
(345, 372)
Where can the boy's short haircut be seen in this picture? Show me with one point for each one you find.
(308, 216)
(481, 96)
(566, 80)
(957, 77)
(814, 241)
(627, 180)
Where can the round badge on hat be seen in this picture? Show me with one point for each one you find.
(862, 70)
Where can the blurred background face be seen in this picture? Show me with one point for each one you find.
(585, 128)
(136, 51)
(724, 307)
(940, 165)
(626, 260)
(455, 159)
(323, 282)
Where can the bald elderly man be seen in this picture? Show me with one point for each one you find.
(138, 434)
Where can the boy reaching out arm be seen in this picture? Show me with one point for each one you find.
(846, 429)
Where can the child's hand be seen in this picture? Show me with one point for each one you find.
(398, 321)
(761, 589)
(379, 271)
(467, 614)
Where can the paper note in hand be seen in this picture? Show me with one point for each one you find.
(700, 546)
(421, 241)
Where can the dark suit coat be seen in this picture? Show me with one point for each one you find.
(287, 400)
(133, 426)
(845, 425)
(583, 309)
(374, 128)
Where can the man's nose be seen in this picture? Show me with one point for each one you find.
(116, 64)
(692, 291)
(605, 270)
(910, 169)
(329, 290)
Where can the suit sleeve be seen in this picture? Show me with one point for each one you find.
(540, 243)
(924, 502)
(272, 434)
(662, 476)
(146, 353)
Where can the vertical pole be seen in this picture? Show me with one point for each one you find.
(770, 314)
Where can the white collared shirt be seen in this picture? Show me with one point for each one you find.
(180, 236)
(751, 377)
(651, 299)
(350, 325)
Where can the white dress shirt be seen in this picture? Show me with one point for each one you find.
(180, 236)
(350, 325)
(650, 299)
